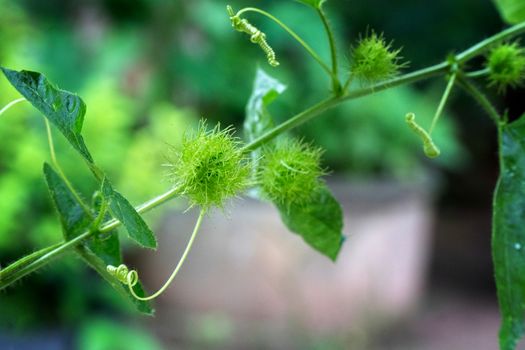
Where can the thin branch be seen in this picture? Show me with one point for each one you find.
(486, 44)
(336, 85)
(480, 97)
(443, 101)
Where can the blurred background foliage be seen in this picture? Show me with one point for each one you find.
(149, 69)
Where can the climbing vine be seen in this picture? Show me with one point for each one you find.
(213, 166)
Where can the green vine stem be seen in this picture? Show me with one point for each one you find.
(27, 259)
(294, 35)
(484, 102)
(336, 85)
(334, 101)
(444, 98)
(488, 43)
(349, 80)
(20, 269)
(293, 122)
(11, 104)
(101, 214)
(478, 74)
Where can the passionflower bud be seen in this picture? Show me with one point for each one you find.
(374, 59)
(506, 65)
(290, 171)
(209, 167)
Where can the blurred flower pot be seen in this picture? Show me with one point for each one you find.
(246, 266)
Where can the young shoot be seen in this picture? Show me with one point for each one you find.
(430, 149)
(256, 36)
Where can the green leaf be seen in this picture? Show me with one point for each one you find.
(320, 222)
(64, 109)
(314, 3)
(99, 250)
(512, 11)
(265, 90)
(72, 215)
(508, 236)
(122, 210)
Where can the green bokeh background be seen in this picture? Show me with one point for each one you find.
(149, 69)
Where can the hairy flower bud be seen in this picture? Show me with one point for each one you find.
(374, 59)
(209, 167)
(506, 65)
(290, 172)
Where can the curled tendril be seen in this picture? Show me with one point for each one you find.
(256, 36)
(124, 274)
(430, 149)
(131, 277)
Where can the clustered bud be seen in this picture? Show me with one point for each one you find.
(374, 59)
(290, 171)
(506, 65)
(209, 167)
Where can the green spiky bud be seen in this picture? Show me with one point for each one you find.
(209, 167)
(374, 59)
(290, 172)
(506, 65)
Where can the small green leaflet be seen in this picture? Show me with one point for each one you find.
(98, 251)
(64, 109)
(122, 210)
(320, 222)
(265, 90)
(512, 11)
(314, 3)
(508, 233)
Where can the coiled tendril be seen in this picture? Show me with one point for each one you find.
(430, 149)
(123, 274)
(256, 36)
(131, 277)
